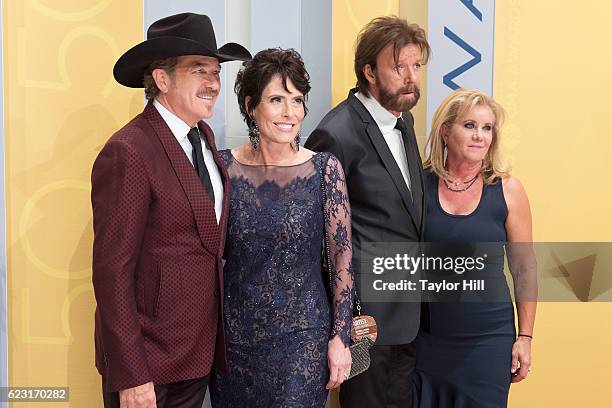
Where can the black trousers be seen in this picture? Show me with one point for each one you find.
(388, 383)
(182, 394)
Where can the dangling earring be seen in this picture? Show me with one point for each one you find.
(297, 141)
(445, 152)
(254, 134)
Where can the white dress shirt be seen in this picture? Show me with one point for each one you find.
(179, 130)
(386, 123)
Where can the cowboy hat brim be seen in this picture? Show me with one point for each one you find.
(130, 67)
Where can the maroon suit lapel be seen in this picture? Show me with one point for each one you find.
(201, 204)
(210, 137)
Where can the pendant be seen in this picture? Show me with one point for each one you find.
(363, 326)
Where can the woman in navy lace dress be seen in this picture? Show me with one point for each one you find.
(468, 350)
(287, 341)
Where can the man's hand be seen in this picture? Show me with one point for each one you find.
(142, 396)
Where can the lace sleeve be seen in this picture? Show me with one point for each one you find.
(338, 230)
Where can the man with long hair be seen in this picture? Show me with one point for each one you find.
(377, 147)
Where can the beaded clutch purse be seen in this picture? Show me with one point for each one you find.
(360, 356)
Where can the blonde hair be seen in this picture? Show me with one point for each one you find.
(453, 107)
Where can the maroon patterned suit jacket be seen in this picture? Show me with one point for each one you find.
(157, 249)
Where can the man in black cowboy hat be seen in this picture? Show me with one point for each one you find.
(160, 204)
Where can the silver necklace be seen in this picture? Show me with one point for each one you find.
(466, 184)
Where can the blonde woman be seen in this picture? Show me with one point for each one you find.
(470, 352)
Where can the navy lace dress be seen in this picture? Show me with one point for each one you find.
(278, 315)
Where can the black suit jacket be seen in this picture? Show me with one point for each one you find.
(381, 204)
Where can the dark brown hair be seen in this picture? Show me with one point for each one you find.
(150, 87)
(376, 35)
(257, 73)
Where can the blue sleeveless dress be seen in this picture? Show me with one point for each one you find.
(464, 348)
(277, 313)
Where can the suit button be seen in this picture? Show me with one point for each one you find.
(216, 293)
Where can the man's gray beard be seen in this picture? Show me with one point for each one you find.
(392, 101)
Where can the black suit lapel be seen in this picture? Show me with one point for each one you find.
(416, 169)
(382, 148)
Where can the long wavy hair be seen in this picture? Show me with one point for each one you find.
(376, 35)
(452, 108)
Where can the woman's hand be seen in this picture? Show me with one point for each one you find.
(521, 359)
(339, 361)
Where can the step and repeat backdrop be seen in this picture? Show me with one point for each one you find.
(547, 63)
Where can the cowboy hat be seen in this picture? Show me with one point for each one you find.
(173, 36)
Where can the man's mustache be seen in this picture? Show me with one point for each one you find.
(207, 92)
(410, 88)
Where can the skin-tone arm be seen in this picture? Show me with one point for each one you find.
(339, 361)
(521, 261)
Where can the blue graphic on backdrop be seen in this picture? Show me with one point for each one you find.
(476, 58)
(461, 34)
